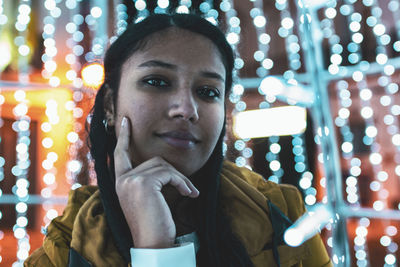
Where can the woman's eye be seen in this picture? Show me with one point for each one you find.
(208, 92)
(156, 82)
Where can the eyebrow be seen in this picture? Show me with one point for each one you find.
(162, 64)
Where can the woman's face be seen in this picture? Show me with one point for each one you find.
(172, 90)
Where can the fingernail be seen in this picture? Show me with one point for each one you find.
(124, 121)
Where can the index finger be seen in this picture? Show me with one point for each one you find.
(122, 160)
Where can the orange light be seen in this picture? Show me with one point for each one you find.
(93, 75)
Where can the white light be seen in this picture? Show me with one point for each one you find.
(71, 75)
(365, 94)
(259, 21)
(21, 148)
(381, 59)
(355, 26)
(52, 156)
(51, 214)
(357, 38)
(375, 186)
(385, 241)
(361, 231)
(267, 63)
(22, 221)
(358, 76)
(24, 50)
(378, 205)
(21, 207)
(72, 137)
(391, 230)
(379, 29)
(305, 183)
(294, 237)
(390, 259)
(51, 104)
(47, 142)
(20, 110)
(71, 27)
(275, 165)
(330, 13)
(307, 226)
(232, 38)
(46, 127)
(49, 178)
(347, 147)
(54, 81)
(23, 183)
(51, 51)
(140, 5)
(371, 131)
(49, 29)
(336, 59)
(275, 148)
(310, 200)
(351, 181)
(286, 120)
(22, 254)
(287, 23)
(344, 113)
(397, 170)
(49, 4)
(46, 192)
(264, 38)
(50, 65)
(74, 166)
(359, 241)
(22, 192)
(19, 233)
(96, 12)
(375, 158)
(182, 10)
(367, 112)
(396, 139)
(355, 171)
(163, 3)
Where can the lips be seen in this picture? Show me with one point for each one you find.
(179, 139)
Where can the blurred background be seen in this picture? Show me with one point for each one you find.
(312, 78)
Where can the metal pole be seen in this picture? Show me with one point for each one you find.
(312, 42)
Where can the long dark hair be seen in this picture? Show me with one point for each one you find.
(218, 244)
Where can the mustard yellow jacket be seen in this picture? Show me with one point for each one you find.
(245, 197)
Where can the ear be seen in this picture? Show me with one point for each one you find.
(109, 105)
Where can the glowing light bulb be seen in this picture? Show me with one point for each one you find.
(93, 75)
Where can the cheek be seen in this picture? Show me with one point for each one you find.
(216, 124)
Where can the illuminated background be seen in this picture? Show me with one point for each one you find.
(313, 76)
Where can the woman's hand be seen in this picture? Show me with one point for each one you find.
(139, 193)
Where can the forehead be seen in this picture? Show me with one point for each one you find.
(177, 46)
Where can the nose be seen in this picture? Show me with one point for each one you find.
(183, 106)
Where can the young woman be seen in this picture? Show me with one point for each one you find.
(165, 195)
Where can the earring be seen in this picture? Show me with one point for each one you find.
(109, 129)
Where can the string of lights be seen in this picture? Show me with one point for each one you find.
(20, 171)
(21, 127)
(383, 40)
(184, 6)
(261, 56)
(3, 21)
(292, 46)
(49, 42)
(72, 59)
(342, 120)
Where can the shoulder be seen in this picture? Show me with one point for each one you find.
(287, 197)
(55, 249)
